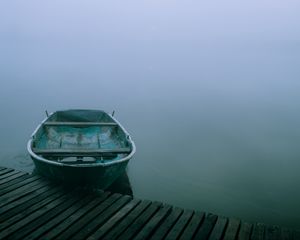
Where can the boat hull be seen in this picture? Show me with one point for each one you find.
(99, 176)
(81, 147)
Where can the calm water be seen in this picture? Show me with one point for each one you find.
(208, 91)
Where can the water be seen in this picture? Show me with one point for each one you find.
(208, 91)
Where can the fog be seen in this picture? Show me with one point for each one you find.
(209, 92)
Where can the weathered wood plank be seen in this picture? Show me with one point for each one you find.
(34, 208)
(206, 227)
(258, 232)
(86, 219)
(20, 192)
(36, 224)
(114, 220)
(29, 203)
(18, 185)
(101, 219)
(34, 205)
(219, 229)
(167, 224)
(245, 231)
(71, 220)
(125, 223)
(47, 213)
(5, 171)
(17, 205)
(59, 218)
(152, 224)
(192, 227)
(80, 124)
(7, 175)
(179, 226)
(37, 218)
(232, 229)
(80, 152)
(14, 179)
(135, 227)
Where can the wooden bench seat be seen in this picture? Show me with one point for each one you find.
(79, 124)
(80, 152)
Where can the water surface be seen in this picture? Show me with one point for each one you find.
(208, 91)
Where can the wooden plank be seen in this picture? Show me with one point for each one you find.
(86, 219)
(135, 227)
(272, 233)
(152, 224)
(5, 171)
(46, 213)
(37, 218)
(59, 218)
(192, 227)
(57, 193)
(71, 220)
(179, 226)
(219, 229)
(167, 224)
(24, 199)
(18, 185)
(245, 231)
(101, 219)
(80, 152)
(14, 179)
(34, 208)
(130, 218)
(18, 188)
(20, 192)
(8, 174)
(17, 205)
(258, 232)
(206, 227)
(80, 124)
(114, 220)
(232, 229)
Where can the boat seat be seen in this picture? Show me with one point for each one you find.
(80, 124)
(80, 152)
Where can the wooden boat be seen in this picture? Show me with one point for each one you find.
(81, 146)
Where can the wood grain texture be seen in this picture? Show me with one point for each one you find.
(32, 207)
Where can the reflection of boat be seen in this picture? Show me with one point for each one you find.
(81, 146)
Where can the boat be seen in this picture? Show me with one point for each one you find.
(81, 147)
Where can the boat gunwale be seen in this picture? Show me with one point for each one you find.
(81, 165)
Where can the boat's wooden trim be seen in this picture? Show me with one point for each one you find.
(80, 152)
(79, 124)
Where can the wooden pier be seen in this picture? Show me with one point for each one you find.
(32, 207)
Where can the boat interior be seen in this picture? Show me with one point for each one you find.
(81, 136)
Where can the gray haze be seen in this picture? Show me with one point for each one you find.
(209, 91)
